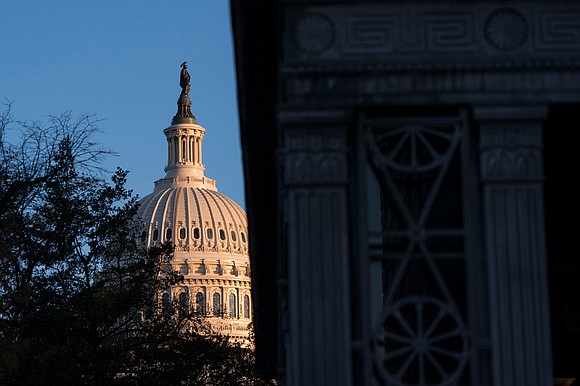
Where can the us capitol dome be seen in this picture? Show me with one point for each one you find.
(208, 230)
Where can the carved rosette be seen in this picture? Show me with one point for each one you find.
(314, 33)
(506, 29)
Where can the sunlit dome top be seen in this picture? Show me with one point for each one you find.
(185, 206)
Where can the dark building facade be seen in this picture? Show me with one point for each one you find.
(410, 189)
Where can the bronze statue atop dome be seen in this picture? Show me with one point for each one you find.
(184, 79)
(184, 114)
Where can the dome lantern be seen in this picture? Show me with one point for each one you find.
(184, 143)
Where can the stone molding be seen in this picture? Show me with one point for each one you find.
(219, 282)
(432, 32)
(458, 86)
(484, 51)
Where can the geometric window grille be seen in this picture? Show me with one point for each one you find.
(416, 249)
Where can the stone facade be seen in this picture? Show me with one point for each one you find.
(412, 245)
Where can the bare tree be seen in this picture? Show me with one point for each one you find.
(76, 283)
(27, 164)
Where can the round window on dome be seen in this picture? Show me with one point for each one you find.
(168, 233)
(234, 237)
(196, 233)
(155, 234)
(182, 233)
(209, 233)
(222, 234)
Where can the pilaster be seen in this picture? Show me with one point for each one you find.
(511, 174)
(315, 318)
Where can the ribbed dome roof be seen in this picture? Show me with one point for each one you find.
(193, 219)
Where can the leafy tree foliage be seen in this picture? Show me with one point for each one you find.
(78, 293)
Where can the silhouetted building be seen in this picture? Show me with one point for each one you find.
(419, 160)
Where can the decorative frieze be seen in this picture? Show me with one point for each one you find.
(558, 29)
(377, 32)
(431, 32)
(218, 282)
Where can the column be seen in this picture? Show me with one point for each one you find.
(511, 170)
(191, 152)
(199, 139)
(175, 141)
(315, 319)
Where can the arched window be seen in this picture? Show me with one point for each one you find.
(182, 233)
(166, 304)
(217, 304)
(168, 233)
(143, 236)
(233, 306)
(149, 310)
(246, 306)
(184, 302)
(209, 233)
(200, 303)
(155, 234)
(234, 238)
(243, 235)
(222, 234)
(196, 233)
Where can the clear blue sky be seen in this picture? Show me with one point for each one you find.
(119, 60)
